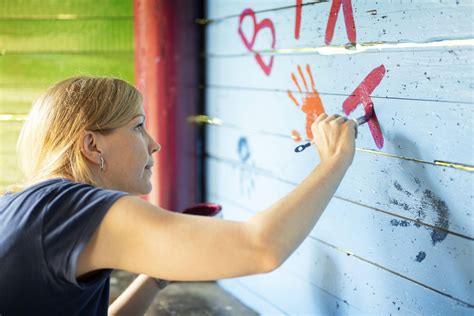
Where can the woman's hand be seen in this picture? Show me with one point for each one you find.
(334, 137)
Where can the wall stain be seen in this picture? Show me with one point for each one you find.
(420, 256)
(403, 223)
(405, 206)
(434, 203)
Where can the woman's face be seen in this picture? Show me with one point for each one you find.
(127, 153)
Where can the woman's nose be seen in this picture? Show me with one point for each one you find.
(155, 147)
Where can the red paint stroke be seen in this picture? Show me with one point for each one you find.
(312, 104)
(257, 27)
(299, 7)
(361, 95)
(348, 19)
(296, 136)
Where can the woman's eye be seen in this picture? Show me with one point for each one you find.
(140, 127)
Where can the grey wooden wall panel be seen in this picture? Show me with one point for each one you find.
(418, 74)
(434, 195)
(382, 21)
(218, 10)
(411, 128)
(252, 299)
(346, 279)
(386, 240)
(398, 237)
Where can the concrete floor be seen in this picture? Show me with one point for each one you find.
(185, 298)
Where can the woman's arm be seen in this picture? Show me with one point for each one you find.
(139, 237)
(287, 223)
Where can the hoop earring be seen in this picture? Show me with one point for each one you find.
(102, 163)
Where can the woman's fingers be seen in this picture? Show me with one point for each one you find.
(333, 117)
(321, 117)
(353, 123)
(341, 119)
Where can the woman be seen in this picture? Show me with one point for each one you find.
(86, 157)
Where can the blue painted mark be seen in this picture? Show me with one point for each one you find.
(243, 149)
(247, 181)
(420, 256)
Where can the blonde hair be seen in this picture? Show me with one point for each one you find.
(49, 142)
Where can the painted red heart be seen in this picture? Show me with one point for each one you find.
(257, 27)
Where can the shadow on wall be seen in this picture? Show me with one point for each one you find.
(330, 280)
(424, 200)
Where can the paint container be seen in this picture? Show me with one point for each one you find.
(204, 209)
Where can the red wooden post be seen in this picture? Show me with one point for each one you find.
(167, 73)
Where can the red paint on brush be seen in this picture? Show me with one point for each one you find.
(299, 7)
(257, 27)
(361, 95)
(296, 136)
(348, 19)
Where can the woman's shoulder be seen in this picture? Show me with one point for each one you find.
(16, 191)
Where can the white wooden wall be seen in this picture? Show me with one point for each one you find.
(398, 236)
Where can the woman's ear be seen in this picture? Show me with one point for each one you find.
(90, 147)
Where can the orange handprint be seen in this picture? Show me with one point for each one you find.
(312, 104)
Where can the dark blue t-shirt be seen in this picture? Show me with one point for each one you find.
(43, 229)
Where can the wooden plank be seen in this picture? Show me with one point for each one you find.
(9, 171)
(290, 294)
(436, 75)
(64, 9)
(81, 36)
(411, 128)
(434, 195)
(222, 10)
(363, 286)
(412, 219)
(9, 131)
(14, 100)
(383, 21)
(251, 298)
(382, 239)
(33, 70)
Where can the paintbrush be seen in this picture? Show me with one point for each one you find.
(358, 121)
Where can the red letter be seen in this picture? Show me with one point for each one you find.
(361, 95)
(298, 18)
(348, 19)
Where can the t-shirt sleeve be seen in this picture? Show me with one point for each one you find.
(70, 219)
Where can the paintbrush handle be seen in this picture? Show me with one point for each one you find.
(361, 120)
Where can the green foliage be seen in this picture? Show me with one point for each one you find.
(43, 42)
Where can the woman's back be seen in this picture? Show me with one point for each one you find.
(43, 229)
